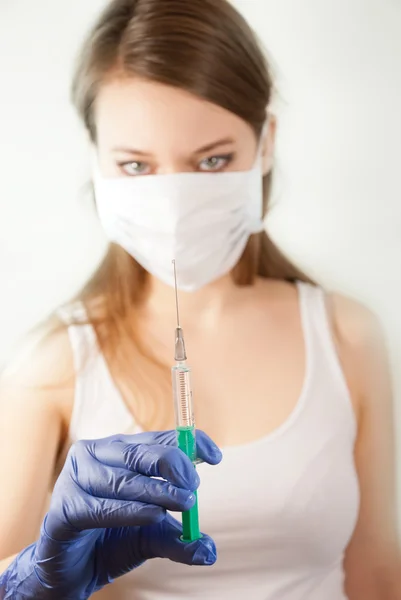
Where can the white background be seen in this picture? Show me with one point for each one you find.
(338, 193)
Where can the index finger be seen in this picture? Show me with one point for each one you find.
(154, 460)
(206, 449)
(155, 454)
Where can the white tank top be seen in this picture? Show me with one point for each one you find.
(281, 509)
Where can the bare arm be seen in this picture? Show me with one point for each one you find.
(33, 395)
(372, 561)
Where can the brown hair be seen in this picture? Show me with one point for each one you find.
(206, 48)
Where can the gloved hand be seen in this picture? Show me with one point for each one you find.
(108, 515)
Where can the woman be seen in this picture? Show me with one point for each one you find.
(291, 382)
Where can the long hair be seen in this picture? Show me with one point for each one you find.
(206, 48)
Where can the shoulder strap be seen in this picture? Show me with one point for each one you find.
(82, 335)
(322, 347)
(99, 409)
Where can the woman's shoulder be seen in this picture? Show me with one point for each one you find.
(356, 325)
(40, 374)
(43, 357)
(362, 349)
(352, 320)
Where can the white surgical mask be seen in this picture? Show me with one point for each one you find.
(201, 220)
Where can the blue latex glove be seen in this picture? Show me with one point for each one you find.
(108, 515)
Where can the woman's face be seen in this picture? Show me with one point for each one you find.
(148, 128)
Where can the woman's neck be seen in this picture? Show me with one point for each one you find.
(207, 304)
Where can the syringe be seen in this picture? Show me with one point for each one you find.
(185, 420)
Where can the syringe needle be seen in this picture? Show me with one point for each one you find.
(180, 354)
(176, 294)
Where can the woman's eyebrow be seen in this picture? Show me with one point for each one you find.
(127, 150)
(213, 145)
(202, 150)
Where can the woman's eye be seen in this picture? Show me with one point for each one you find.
(134, 167)
(215, 163)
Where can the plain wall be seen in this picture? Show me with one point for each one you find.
(337, 201)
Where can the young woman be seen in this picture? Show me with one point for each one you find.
(290, 381)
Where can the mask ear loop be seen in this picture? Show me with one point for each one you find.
(259, 150)
(257, 220)
(256, 207)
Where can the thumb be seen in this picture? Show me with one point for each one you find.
(163, 540)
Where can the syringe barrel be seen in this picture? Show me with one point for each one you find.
(182, 391)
